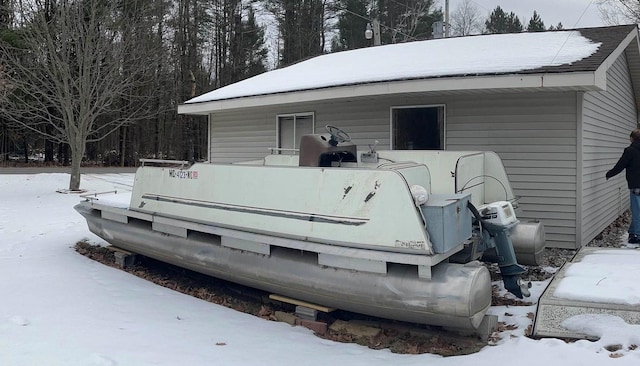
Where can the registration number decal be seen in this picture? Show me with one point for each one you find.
(183, 174)
(410, 244)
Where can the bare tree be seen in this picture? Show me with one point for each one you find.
(466, 19)
(403, 21)
(6, 13)
(68, 75)
(619, 11)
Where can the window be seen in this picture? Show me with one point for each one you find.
(417, 128)
(290, 129)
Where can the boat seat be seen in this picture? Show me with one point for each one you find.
(315, 150)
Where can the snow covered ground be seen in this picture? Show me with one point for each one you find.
(60, 308)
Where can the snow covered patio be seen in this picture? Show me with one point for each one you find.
(596, 283)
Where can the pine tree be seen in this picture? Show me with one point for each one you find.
(557, 27)
(248, 54)
(301, 24)
(254, 48)
(352, 23)
(535, 23)
(501, 22)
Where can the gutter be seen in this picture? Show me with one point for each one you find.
(578, 81)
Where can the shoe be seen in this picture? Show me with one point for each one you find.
(633, 239)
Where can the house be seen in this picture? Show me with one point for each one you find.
(557, 106)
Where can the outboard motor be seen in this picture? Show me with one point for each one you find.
(495, 222)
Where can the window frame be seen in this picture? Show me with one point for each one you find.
(444, 122)
(295, 116)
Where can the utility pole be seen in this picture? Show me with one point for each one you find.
(373, 31)
(376, 32)
(446, 19)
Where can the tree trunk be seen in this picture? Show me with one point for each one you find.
(63, 153)
(74, 181)
(123, 144)
(78, 147)
(48, 151)
(26, 148)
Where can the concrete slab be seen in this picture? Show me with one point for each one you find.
(555, 306)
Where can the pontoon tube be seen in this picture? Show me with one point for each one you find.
(456, 296)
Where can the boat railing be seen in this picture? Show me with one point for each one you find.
(94, 195)
(162, 162)
(278, 150)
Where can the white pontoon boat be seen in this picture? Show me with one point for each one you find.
(394, 234)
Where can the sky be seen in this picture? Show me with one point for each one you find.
(571, 13)
(58, 307)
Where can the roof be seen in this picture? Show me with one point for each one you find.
(564, 60)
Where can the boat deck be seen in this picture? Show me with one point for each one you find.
(597, 281)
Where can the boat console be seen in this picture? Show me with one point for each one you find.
(320, 150)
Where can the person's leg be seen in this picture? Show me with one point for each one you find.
(634, 226)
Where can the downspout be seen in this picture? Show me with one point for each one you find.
(209, 121)
(579, 167)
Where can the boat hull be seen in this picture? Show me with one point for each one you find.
(455, 295)
(339, 206)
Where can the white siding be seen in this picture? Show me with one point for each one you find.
(608, 118)
(248, 134)
(534, 134)
(241, 136)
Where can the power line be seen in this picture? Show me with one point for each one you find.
(480, 5)
(583, 13)
(381, 24)
(569, 33)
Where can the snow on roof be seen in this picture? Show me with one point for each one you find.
(486, 54)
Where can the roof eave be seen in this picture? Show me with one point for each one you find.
(630, 45)
(622, 46)
(632, 51)
(586, 81)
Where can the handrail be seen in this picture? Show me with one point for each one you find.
(181, 163)
(279, 149)
(94, 196)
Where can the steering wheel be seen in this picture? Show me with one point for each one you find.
(337, 134)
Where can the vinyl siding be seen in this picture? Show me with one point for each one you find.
(608, 118)
(248, 134)
(534, 134)
(241, 136)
